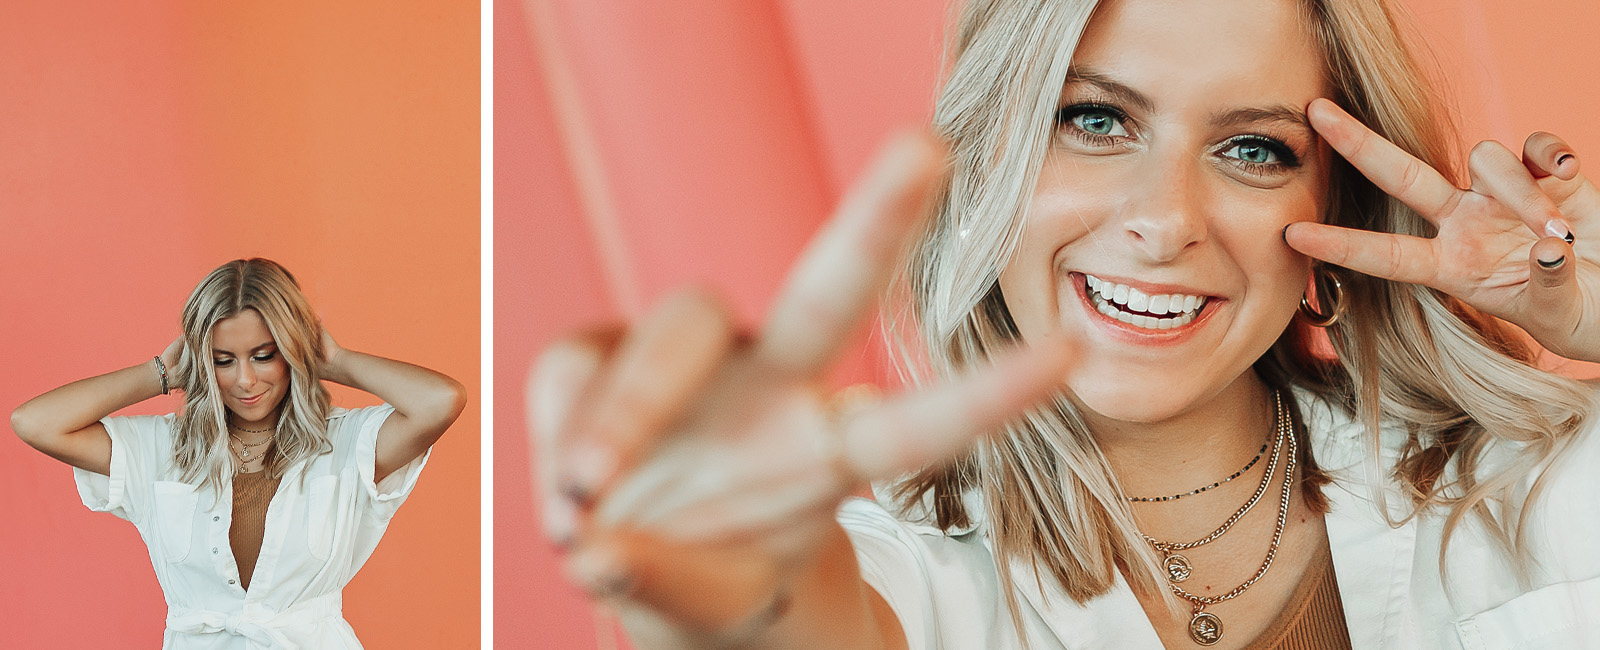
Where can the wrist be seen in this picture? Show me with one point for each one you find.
(162, 373)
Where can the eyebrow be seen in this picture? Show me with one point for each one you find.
(1236, 117)
(1271, 114)
(253, 350)
(1110, 86)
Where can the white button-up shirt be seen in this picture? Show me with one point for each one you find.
(944, 587)
(322, 524)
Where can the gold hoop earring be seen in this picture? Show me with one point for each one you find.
(1315, 318)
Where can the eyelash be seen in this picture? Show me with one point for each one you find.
(223, 363)
(1287, 159)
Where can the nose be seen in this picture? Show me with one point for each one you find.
(247, 376)
(1166, 212)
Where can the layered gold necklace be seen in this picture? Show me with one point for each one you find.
(246, 451)
(1205, 628)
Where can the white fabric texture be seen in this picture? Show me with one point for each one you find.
(944, 587)
(322, 524)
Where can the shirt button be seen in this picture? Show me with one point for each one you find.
(230, 582)
(213, 550)
(216, 517)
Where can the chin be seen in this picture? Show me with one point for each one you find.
(1139, 395)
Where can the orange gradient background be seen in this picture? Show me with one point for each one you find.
(639, 148)
(144, 143)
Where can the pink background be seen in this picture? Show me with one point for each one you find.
(712, 137)
(144, 143)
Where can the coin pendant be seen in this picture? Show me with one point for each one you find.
(1178, 568)
(1205, 628)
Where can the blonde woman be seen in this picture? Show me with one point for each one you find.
(259, 500)
(1143, 195)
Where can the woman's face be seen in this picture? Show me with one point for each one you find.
(252, 376)
(1180, 153)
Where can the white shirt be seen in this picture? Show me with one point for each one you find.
(322, 525)
(944, 587)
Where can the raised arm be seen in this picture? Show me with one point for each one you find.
(693, 473)
(65, 423)
(425, 402)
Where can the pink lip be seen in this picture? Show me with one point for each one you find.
(1138, 335)
(251, 400)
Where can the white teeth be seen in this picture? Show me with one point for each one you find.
(1158, 304)
(1117, 300)
(1137, 301)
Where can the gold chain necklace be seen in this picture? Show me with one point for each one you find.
(1178, 567)
(1206, 628)
(244, 452)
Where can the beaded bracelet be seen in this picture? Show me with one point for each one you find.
(161, 366)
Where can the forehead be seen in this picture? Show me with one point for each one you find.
(1206, 51)
(240, 332)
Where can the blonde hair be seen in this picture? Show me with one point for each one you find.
(1457, 380)
(200, 449)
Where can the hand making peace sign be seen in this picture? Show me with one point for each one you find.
(1501, 245)
(690, 470)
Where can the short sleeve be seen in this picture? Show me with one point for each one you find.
(139, 445)
(894, 562)
(383, 498)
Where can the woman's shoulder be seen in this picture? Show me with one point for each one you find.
(884, 538)
(144, 431)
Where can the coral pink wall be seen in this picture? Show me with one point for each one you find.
(144, 143)
(712, 137)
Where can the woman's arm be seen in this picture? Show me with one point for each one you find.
(693, 473)
(65, 423)
(425, 402)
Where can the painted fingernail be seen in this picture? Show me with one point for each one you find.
(580, 495)
(1563, 158)
(1554, 264)
(1285, 234)
(1558, 228)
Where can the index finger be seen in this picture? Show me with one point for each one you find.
(930, 425)
(846, 265)
(1397, 173)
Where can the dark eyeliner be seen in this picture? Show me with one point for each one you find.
(1066, 113)
(1287, 157)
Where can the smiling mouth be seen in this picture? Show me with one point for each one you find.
(252, 400)
(1134, 307)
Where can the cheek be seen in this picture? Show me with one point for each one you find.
(277, 373)
(1070, 203)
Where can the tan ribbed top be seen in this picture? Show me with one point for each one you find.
(251, 495)
(1314, 617)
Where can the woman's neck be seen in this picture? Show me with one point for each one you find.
(1203, 444)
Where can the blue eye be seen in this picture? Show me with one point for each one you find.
(1252, 152)
(1260, 155)
(1099, 123)
(1093, 124)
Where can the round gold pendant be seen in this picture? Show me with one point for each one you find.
(1178, 568)
(1205, 628)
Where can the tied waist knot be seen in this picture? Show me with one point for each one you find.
(257, 623)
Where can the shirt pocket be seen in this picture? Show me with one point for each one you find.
(323, 515)
(1561, 615)
(174, 506)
